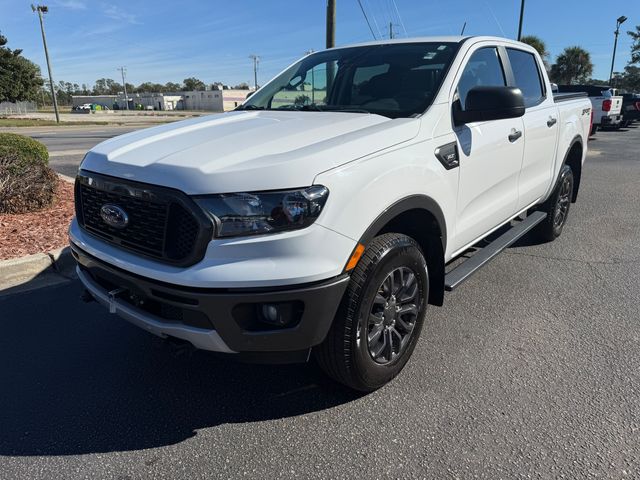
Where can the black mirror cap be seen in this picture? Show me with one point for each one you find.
(491, 103)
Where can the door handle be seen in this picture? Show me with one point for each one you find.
(514, 135)
(551, 122)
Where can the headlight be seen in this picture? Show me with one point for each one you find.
(257, 213)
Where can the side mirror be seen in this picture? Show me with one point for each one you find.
(249, 94)
(490, 103)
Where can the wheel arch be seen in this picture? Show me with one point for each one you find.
(421, 218)
(573, 158)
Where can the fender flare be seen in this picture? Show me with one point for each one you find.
(578, 174)
(412, 202)
(432, 244)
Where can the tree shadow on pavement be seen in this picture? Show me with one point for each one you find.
(76, 380)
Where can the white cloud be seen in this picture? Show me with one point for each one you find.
(72, 4)
(121, 15)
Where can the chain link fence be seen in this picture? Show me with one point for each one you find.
(7, 108)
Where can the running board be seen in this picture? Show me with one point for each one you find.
(467, 268)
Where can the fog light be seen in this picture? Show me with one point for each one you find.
(271, 314)
(283, 314)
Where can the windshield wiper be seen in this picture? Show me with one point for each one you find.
(345, 108)
(249, 107)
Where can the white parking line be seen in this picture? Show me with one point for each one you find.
(64, 153)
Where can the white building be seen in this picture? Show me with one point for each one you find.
(208, 100)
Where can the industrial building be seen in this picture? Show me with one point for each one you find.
(207, 100)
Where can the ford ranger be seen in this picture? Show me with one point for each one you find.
(320, 218)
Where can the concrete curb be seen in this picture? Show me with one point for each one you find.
(35, 271)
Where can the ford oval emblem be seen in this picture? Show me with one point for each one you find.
(114, 216)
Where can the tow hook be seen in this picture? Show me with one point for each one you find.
(113, 294)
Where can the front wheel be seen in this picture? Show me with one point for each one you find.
(557, 206)
(381, 315)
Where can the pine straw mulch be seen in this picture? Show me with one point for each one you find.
(41, 231)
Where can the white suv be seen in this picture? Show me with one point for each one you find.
(319, 218)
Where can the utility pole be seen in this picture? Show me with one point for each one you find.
(331, 42)
(44, 9)
(123, 71)
(521, 17)
(331, 23)
(256, 60)
(313, 79)
(390, 30)
(619, 22)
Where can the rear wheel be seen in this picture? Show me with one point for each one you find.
(381, 316)
(557, 206)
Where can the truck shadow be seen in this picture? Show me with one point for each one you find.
(77, 380)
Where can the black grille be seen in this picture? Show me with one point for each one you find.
(162, 223)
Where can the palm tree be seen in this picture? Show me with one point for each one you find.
(539, 45)
(573, 65)
(635, 47)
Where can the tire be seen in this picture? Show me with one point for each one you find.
(353, 352)
(594, 129)
(557, 207)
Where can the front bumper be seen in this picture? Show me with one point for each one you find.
(221, 320)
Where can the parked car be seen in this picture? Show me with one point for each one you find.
(607, 104)
(630, 108)
(294, 227)
(84, 106)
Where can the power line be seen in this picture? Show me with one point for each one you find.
(400, 18)
(375, 20)
(366, 19)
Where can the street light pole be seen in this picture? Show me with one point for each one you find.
(44, 9)
(619, 22)
(123, 71)
(521, 17)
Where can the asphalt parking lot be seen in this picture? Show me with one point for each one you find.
(530, 370)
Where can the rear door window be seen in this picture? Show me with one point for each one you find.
(527, 76)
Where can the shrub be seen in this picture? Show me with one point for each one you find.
(26, 182)
(20, 152)
(32, 189)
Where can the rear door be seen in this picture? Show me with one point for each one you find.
(541, 126)
(490, 154)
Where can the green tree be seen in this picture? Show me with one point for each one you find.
(628, 80)
(537, 43)
(193, 83)
(172, 87)
(148, 87)
(635, 47)
(20, 78)
(107, 86)
(573, 65)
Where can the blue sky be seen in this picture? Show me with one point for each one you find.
(162, 41)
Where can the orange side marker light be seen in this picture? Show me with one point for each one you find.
(355, 257)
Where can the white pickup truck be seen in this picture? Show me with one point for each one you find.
(322, 216)
(605, 101)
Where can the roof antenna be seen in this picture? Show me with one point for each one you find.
(463, 27)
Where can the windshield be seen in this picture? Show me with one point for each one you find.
(395, 80)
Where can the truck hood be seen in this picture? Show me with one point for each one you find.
(246, 150)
